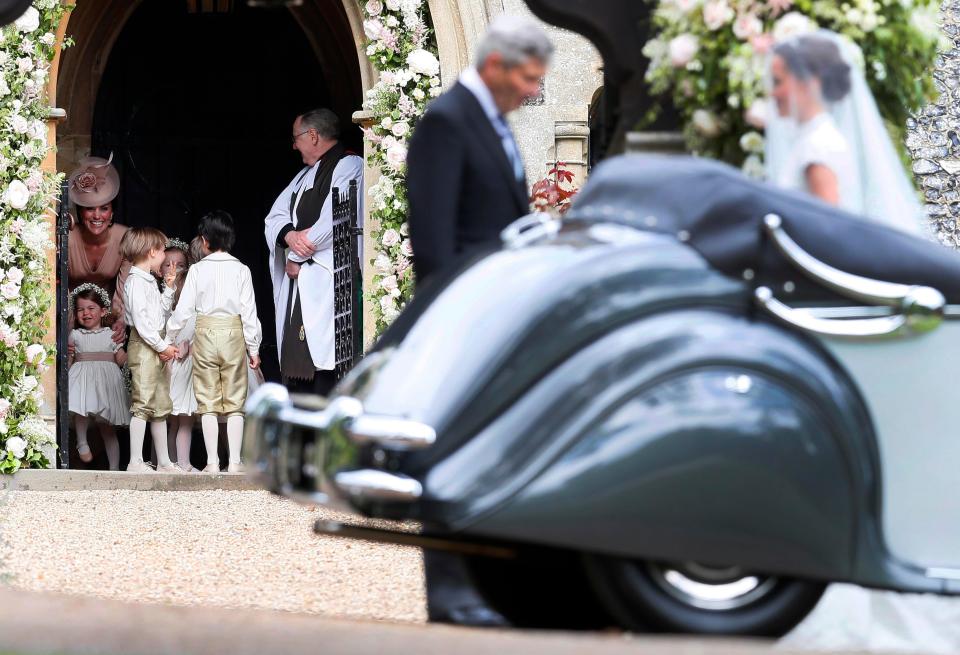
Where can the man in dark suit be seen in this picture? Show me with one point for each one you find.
(465, 176)
(465, 183)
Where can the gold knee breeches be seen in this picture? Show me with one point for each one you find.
(150, 399)
(220, 365)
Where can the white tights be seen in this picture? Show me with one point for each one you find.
(107, 433)
(179, 438)
(211, 435)
(158, 430)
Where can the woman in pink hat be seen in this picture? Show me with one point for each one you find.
(94, 244)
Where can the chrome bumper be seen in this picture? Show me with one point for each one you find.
(309, 449)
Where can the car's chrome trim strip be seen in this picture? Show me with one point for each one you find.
(372, 484)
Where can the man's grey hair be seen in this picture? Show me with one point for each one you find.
(324, 121)
(516, 39)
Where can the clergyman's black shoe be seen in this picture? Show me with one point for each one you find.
(479, 616)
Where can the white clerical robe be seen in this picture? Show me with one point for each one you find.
(315, 282)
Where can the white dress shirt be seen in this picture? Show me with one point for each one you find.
(315, 281)
(218, 285)
(146, 308)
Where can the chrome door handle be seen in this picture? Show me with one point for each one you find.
(527, 229)
(920, 308)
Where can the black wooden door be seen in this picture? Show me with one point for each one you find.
(197, 109)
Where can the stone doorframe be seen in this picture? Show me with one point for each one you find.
(457, 25)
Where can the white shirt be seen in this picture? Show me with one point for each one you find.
(145, 308)
(315, 282)
(218, 285)
(818, 141)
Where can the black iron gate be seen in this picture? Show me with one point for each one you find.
(63, 327)
(347, 283)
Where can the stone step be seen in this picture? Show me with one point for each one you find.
(70, 480)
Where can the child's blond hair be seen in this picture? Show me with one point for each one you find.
(196, 250)
(137, 242)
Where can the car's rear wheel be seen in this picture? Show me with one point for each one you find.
(699, 599)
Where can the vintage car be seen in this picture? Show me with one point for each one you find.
(685, 407)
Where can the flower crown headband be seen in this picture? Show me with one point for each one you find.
(179, 244)
(90, 286)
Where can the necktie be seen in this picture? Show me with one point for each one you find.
(510, 147)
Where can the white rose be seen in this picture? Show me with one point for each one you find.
(683, 49)
(752, 142)
(4, 88)
(28, 150)
(403, 76)
(48, 39)
(17, 446)
(388, 78)
(38, 130)
(25, 64)
(390, 238)
(389, 283)
(17, 195)
(423, 62)
(393, 5)
(792, 24)
(400, 129)
(405, 230)
(35, 353)
(419, 94)
(29, 21)
(397, 156)
(756, 114)
(686, 5)
(747, 26)
(706, 123)
(434, 81)
(396, 293)
(34, 180)
(716, 14)
(371, 51)
(391, 312)
(15, 275)
(29, 383)
(10, 291)
(387, 302)
(373, 29)
(382, 264)
(388, 142)
(392, 21)
(374, 7)
(435, 92)
(386, 123)
(19, 124)
(406, 247)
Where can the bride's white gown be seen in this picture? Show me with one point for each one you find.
(849, 617)
(818, 141)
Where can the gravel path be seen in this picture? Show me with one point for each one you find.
(237, 549)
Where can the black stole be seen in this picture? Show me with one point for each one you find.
(295, 360)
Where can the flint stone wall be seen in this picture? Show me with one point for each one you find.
(933, 137)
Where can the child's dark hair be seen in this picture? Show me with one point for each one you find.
(217, 228)
(91, 295)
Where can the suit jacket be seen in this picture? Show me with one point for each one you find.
(461, 186)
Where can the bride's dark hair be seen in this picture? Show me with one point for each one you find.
(812, 56)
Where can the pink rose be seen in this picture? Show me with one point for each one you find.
(747, 26)
(716, 14)
(762, 43)
(683, 49)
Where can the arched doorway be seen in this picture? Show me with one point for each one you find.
(195, 100)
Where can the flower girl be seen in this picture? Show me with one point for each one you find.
(96, 388)
(180, 428)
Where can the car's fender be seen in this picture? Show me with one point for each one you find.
(687, 435)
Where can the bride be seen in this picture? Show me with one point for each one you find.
(828, 138)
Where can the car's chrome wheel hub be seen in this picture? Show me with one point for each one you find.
(716, 588)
